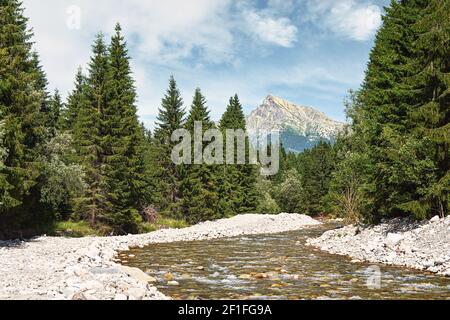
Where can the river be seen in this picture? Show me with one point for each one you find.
(277, 266)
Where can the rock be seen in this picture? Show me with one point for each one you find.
(137, 293)
(435, 219)
(173, 283)
(79, 296)
(200, 268)
(245, 276)
(68, 293)
(393, 239)
(120, 296)
(168, 276)
(137, 274)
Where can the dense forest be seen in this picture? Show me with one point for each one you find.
(88, 162)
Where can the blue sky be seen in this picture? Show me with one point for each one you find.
(307, 51)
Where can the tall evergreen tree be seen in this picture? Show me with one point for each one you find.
(22, 95)
(168, 175)
(123, 141)
(380, 119)
(315, 167)
(88, 137)
(237, 193)
(431, 113)
(199, 188)
(54, 121)
(70, 112)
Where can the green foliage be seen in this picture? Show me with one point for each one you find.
(397, 158)
(266, 203)
(199, 186)
(123, 140)
(290, 194)
(69, 113)
(168, 175)
(63, 178)
(237, 182)
(163, 223)
(22, 101)
(73, 229)
(315, 167)
(88, 137)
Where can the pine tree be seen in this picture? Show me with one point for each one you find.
(123, 141)
(54, 121)
(88, 137)
(168, 175)
(199, 188)
(431, 114)
(316, 166)
(380, 119)
(22, 95)
(237, 193)
(70, 112)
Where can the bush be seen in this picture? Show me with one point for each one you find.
(162, 223)
(74, 229)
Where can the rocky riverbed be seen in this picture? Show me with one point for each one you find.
(424, 246)
(87, 268)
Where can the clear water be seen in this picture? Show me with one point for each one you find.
(276, 266)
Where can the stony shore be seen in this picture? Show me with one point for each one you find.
(86, 268)
(424, 246)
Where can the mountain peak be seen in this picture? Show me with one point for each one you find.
(300, 127)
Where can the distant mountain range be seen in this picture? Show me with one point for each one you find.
(300, 127)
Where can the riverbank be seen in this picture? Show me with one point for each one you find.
(86, 268)
(419, 245)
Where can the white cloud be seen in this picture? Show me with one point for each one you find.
(355, 20)
(270, 29)
(160, 34)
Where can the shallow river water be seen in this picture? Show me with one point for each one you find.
(277, 266)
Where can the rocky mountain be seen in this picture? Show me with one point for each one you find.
(300, 127)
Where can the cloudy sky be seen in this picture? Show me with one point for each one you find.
(307, 51)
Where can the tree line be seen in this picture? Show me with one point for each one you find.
(393, 159)
(89, 158)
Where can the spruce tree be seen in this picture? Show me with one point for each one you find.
(199, 187)
(123, 141)
(70, 112)
(168, 175)
(380, 119)
(22, 95)
(54, 121)
(88, 137)
(237, 192)
(431, 113)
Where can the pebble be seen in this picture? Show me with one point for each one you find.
(87, 269)
(403, 242)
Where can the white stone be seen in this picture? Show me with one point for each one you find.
(120, 296)
(435, 219)
(393, 239)
(137, 293)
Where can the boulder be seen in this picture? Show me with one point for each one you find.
(393, 239)
(137, 274)
(136, 293)
(435, 219)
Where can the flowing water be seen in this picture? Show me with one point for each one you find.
(277, 266)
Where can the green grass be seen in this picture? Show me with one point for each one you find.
(73, 229)
(163, 223)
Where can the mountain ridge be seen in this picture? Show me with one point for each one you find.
(301, 127)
